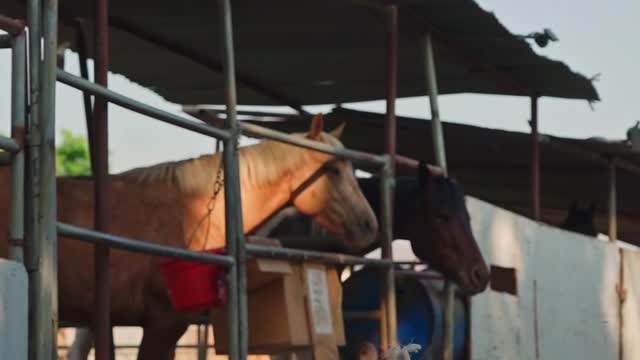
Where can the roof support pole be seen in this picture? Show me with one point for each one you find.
(535, 161)
(388, 321)
(45, 276)
(432, 88)
(235, 244)
(18, 117)
(102, 186)
(82, 40)
(441, 159)
(613, 210)
(32, 179)
(613, 237)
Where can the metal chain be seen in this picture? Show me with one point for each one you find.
(217, 187)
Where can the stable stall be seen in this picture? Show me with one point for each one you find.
(284, 54)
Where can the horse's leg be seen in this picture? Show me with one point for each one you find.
(82, 344)
(160, 339)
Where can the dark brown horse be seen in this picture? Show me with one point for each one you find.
(581, 220)
(430, 211)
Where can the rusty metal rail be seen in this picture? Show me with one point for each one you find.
(140, 246)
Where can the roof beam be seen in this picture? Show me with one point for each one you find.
(202, 59)
(451, 46)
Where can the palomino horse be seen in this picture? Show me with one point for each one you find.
(172, 204)
(581, 220)
(430, 211)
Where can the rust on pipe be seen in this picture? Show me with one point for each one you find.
(388, 322)
(102, 299)
(391, 53)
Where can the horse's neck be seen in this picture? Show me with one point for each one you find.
(258, 201)
(405, 195)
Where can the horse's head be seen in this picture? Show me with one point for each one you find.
(442, 235)
(325, 188)
(581, 220)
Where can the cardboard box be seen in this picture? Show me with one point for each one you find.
(323, 314)
(296, 310)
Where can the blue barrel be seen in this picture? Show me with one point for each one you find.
(419, 309)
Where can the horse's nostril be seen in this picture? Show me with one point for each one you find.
(479, 275)
(367, 225)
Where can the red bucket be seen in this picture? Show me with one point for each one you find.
(194, 286)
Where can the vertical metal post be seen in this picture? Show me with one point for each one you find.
(613, 203)
(203, 339)
(535, 161)
(440, 151)
(18, 119)
(391, 44)
(46, 278)
(237, 299)
(388, 321)
(613, 237)
(432, 88)
(81, 38)
(102, 297)
(449, 313)
(32, 176)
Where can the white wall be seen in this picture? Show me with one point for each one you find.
(631, 307)
(566, 306)
(13, 310)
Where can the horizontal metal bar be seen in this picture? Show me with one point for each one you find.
(427, 275)
(306, 255)
(596, 157)
(133, 105)
(5, 41)
(10, 25)
(8, 144)
(362, 315)
(263, 132)
(123, 243)
(136, 347)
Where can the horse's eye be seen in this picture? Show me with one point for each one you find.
(333, 170)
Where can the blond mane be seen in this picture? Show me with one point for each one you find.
(260, 164)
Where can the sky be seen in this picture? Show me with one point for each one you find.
(596, 37)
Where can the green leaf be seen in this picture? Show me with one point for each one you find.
(72, 155)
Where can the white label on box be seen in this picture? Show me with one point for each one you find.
(319, 300)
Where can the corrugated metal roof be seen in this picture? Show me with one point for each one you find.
(494, 165)
(325, 52)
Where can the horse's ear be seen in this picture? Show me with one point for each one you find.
(423, 173)
(337, 132)
(317, 124)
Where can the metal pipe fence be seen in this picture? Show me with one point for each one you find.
(316, 256)
(140, 246)
(41, 184)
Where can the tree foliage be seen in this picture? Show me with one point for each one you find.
(72, 155)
